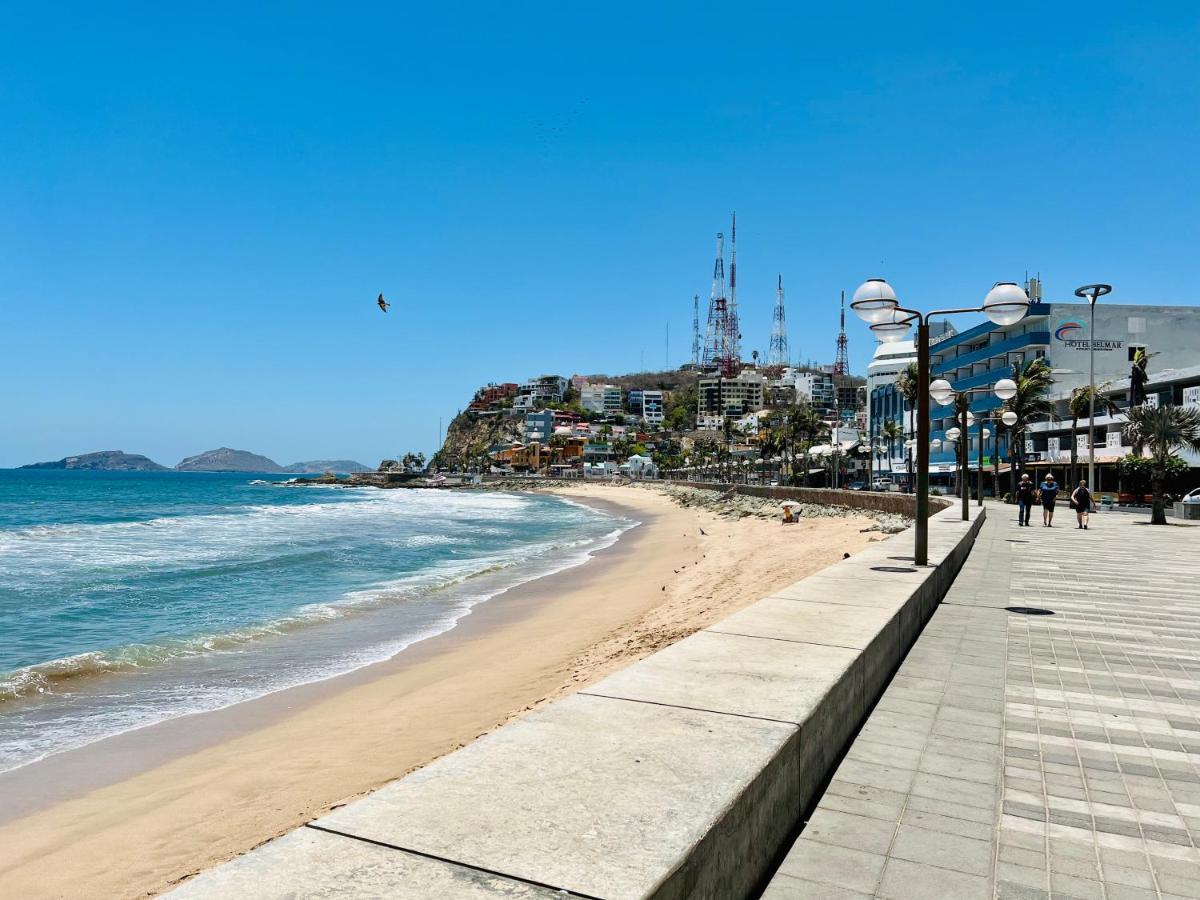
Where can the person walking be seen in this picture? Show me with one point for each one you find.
(1048, 493)
(1081, 499)
(1025, 495)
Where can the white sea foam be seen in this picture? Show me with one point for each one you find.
(212, 670)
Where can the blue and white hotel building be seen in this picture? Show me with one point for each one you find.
(977, 357)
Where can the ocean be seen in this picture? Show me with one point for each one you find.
(129, 598)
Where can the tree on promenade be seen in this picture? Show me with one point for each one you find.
(1079, 405)
(806, 429)
(906, 384)
(892, 431)
(1162, 430)
(1030, 404)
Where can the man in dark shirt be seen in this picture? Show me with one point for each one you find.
(1081, 499)
(1048, 492)
(1025, 496)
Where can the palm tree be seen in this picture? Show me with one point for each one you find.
(907, 383)
(891, 432)
(1162, 430)
(1080, 405)
(806, 429)
(1030, 404)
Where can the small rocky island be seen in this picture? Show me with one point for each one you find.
(223, 459)
(226, 459)
(103, 461)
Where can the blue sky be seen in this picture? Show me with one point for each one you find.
(198, 207)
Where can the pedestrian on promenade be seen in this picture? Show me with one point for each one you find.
(1081, 499)
(1025, 495)
(1048, 493)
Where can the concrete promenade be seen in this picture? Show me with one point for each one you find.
(1041, 739)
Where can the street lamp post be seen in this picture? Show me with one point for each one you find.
(943, 393)
(875, 302)
(1092, 293)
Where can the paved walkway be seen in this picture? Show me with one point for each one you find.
(1042, 738)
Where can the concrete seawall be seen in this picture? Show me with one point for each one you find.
(881, 501)
(685, 774)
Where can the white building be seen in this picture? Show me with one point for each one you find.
(815, 388)
(721, 397)
(652, 408)
(601, 398)
(544, 389)
(639, 467)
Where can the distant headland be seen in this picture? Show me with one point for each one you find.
(223, 459)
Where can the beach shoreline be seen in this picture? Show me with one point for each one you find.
(192, 792)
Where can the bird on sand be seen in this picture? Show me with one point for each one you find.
(383, 304)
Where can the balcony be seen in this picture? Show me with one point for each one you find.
(1032, 339)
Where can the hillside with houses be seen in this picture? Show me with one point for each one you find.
(770, 423)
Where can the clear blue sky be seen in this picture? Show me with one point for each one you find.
(198, 208)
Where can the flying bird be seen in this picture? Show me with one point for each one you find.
(383, 304)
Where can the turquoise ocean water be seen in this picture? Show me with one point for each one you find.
(130, 598)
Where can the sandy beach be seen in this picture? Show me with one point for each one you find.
(133, 815)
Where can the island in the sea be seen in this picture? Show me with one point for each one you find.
(320, 466)
(226, 459)
(223, 459)
(103, 460)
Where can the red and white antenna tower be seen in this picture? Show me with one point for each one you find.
(841, 365)
(722, 342)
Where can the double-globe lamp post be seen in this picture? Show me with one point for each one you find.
(875, 302)
(944, 394)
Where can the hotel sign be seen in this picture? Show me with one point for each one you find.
(1068, 333)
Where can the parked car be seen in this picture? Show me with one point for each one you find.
(881, 484)
(857, 485)
(1192, 496)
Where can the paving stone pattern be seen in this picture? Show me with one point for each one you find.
(1041, 741)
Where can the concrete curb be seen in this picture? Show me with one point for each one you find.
(685, 774)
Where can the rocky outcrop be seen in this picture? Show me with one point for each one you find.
(103, 460)
(223, 459)
(320, 466)
(470, 434)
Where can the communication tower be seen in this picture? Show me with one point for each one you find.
(777, 354)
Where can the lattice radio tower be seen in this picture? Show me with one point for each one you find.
(734, 359)
(696, 330)
(718, 313)
(722, 339)
(841, 365)
(777, 354)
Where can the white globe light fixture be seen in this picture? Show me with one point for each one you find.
(953, 434)
(874, 300)
(941, 391)
(1005, 303)
(987, 433)
(1009, 418)
(893, 326)
(935, 443)
(1005, 389)
(970, 418)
